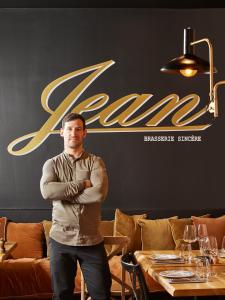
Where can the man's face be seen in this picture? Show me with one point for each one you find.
(73, 134)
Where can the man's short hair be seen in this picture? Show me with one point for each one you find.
(73, 116)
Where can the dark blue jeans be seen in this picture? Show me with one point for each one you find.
(93, 262)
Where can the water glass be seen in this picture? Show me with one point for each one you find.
(210, 248)
(185, 252)
(213, 248)
(203, 268)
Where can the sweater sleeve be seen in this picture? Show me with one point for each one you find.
(99, 189)
(51, 189)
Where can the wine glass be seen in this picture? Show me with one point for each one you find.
(222, 251)
(189, 235)
(202, 235)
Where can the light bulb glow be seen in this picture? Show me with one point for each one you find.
(188, 72)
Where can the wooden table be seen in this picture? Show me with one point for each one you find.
(9, 246)
(214, 287)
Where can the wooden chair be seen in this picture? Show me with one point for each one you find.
(130, 265)
(120, 243)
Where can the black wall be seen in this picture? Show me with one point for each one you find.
(40, 45)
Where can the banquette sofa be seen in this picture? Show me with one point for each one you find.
(25, 274)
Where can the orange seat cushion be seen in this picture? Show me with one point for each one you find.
(18, 278)
(26, 277)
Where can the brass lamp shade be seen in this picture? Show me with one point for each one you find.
(186, 61)
(189, 65)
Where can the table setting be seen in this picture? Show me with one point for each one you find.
(182, 276)
(201, 263)
(195, 277)
(187, 271)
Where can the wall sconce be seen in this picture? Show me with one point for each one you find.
(190, 65)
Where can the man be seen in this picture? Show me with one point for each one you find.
(77, 184)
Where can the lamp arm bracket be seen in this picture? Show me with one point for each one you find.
(212, 105)
(217, 84)
(215, 96)
(211, 62)
(201, 41)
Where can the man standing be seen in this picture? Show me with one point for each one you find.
(77, 184)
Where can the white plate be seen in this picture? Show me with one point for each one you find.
(176, 274)
(222, 255)
(164, 256)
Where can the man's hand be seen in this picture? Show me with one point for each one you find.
(87, 184)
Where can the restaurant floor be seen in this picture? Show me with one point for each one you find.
(166, 296)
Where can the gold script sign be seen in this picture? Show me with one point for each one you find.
(109, 115)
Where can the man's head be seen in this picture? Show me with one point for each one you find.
(73, 131)
(72, 117)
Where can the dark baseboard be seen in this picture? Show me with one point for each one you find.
(38, 215)
(109, 4)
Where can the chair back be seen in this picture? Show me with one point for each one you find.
(130, 265)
